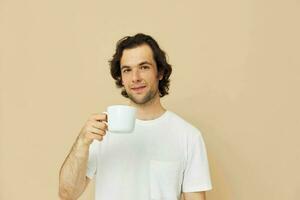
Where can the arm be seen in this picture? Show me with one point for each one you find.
(196, 174)
(72, 175)
(194, 196)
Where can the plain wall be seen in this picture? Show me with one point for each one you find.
(235, 77)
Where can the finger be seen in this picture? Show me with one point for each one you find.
(95, 136)
(99, 117)
(99, 125)
(96, 131)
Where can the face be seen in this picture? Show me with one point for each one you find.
(139, 74)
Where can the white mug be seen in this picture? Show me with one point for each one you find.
(121, 118)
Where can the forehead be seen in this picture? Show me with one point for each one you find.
(136, 55)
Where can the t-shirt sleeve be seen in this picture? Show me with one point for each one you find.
(92, 160)
(196, 173)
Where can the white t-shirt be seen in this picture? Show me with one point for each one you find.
(160, 159)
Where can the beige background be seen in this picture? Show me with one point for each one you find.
(236, 77)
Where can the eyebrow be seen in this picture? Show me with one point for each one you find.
(141, 63)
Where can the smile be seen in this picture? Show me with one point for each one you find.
(138, 89)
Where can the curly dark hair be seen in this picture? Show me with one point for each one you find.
(163, 67)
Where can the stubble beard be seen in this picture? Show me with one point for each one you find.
(145, 100)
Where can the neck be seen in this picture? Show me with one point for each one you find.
(150, 110)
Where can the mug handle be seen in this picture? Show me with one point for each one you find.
(106, 117)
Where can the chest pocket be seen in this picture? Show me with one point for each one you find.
(165, 180)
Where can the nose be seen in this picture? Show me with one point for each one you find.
(136, 77)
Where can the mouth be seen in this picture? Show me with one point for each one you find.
(139, 89)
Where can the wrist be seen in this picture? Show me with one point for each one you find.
(81, 148)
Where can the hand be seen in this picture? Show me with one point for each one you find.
(94, 128)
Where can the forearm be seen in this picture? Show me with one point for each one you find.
(72, 177)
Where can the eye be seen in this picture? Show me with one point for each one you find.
(145, 67)
(126, 70)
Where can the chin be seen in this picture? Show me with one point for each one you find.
(137, 99)
(140, 100)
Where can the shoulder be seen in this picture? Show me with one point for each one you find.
(181, 124)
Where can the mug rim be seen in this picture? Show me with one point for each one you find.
(120, 105)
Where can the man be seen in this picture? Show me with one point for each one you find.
(163, 158)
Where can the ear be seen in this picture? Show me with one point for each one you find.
(161, 76)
